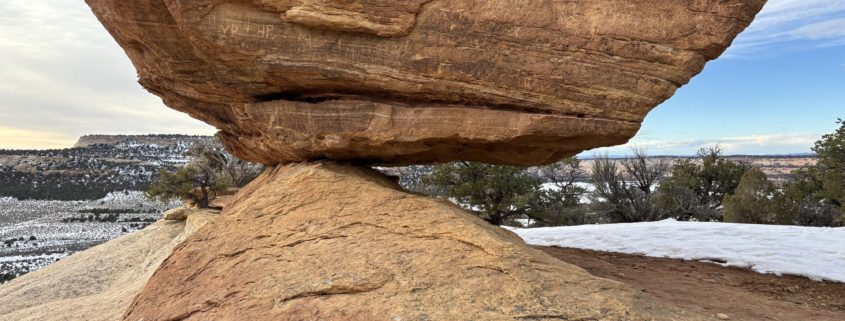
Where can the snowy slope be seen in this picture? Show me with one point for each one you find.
(817, 253)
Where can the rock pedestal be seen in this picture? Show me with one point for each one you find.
(323, 241)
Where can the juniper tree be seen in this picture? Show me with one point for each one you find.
(816, 194)
(499, 194)
(211, 169)
(696, 188)
(626, 189)
(560, 203)
(753, 200)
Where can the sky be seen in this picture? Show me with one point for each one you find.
(775, 91)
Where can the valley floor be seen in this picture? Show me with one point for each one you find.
(738, 293)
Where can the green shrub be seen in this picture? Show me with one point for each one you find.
(695, 189)
(753, 202)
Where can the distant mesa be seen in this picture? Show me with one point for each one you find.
(404, 82)
(164, 140)
(94, 167)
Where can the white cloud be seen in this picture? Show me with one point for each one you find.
(781, 12)
(829, 29)
(807, 24)
(64, 76)
(751, 144)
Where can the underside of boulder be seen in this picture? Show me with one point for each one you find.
(325, 241)
(520, 82)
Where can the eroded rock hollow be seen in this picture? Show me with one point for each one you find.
(520, 82)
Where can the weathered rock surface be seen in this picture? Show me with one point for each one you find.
(514, 82)
(97, 284)
(179, 213)
(332, 242)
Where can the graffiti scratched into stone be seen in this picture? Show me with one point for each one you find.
(242, 28)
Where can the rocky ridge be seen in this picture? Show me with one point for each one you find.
(96, 166)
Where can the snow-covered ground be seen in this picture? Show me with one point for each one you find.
(817, 253)
(35, 233)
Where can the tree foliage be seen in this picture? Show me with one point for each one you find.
(211, 169)
(816, 194)
(499, 194)
(625, 189)
(560, 202)
(512, 195)
(210, 157)
(830, 171)
(708, 188)
(814, 197)
(753, 200)
(696, 188)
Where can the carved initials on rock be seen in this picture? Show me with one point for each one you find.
(385, 18)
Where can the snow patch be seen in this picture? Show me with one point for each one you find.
(813, 252)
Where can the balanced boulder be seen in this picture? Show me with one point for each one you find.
(520, 82)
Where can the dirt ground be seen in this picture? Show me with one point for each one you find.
(741, 294)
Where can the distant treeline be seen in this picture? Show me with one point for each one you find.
(797, 155)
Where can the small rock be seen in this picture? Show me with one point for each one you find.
(221, 202)
(177, 214)
(722, 316)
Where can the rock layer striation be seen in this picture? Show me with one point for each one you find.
(322, 241)
(520, 82)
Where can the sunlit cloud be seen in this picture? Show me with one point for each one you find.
(13, 138)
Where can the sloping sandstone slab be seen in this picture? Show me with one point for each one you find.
(331, 242)
(395, 82)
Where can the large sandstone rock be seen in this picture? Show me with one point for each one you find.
(331, 242)
(513, 82)
(97, 284)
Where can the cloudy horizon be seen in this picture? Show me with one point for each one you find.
(778, 89)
